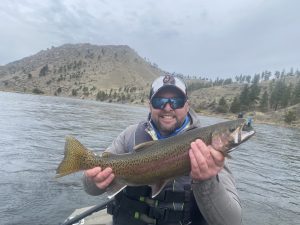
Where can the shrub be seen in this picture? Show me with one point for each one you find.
(222, 106)
(37, 91)
(74, 92)
(44, 71)
(101, 96)
(289, 117)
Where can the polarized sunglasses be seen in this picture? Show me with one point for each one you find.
(160, 103)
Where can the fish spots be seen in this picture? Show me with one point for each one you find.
(162, 160)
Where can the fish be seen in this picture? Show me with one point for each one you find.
(154, 163)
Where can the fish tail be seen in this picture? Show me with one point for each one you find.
(76, 158)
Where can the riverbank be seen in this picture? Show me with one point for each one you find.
(275, 118)
(270, 118)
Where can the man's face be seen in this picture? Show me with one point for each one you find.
(167, 119)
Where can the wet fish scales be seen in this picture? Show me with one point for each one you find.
(154, 162)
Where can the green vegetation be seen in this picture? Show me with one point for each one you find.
(235, 106)
(59, 90)
(266, 92)
(81, 76)
(44, 71)
(74, 92)
(264, 102)
(279, 95)
(114, 96)
(296, 94)
(197, 85)
(86, 91)
(37, 91)
(101, 96)
(289, 117)
(222, 106)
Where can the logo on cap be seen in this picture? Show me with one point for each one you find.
(169, 80)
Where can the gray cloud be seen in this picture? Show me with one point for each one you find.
(207, 38)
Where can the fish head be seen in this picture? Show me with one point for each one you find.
(242, 132)
(231, 134)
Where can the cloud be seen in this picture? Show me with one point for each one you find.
(212, 38)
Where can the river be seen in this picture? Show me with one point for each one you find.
(33, 128)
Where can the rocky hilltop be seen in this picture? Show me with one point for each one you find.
(81, 70)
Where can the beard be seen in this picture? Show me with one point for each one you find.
(166, 129)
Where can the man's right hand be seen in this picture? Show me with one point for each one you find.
(101, 178)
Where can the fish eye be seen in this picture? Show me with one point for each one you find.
(231, 129)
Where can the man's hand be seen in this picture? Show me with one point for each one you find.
(101, 178)
(206, 162)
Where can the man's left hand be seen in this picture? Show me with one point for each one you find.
(206, 162)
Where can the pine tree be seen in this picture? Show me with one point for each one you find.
(235, 105)
(101, 96)
(277, 74)
(254, 92)
(286, 96)
(244, 98)
(277, 93)
(296, 94)
(222, 106)
(44, 71)
(263, 106)
(256, 79)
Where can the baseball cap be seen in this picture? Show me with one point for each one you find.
(167, 81)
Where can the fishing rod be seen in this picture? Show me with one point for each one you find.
(86, 213)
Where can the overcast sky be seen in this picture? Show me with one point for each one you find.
(208, 38)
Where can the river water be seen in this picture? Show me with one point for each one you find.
(33, 128)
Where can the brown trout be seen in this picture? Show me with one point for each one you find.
(154, 163)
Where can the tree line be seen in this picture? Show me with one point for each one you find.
(280, 93)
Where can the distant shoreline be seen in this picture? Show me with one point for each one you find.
(230, 116)
(256, 120)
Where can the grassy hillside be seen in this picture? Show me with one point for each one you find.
(119, 74)
(80, 70)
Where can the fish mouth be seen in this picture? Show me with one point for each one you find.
(242, 134)
(245, 135)
(246, 132)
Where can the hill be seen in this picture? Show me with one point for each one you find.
(203, 98)
(282, 106)
(118, 74)
(79, 70)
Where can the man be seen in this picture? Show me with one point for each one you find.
(206, 196)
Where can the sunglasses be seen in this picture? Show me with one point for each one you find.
(175, 103)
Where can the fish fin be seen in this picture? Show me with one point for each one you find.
(142, 146)
(157, 187)
(74, 153)
(115, 187)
